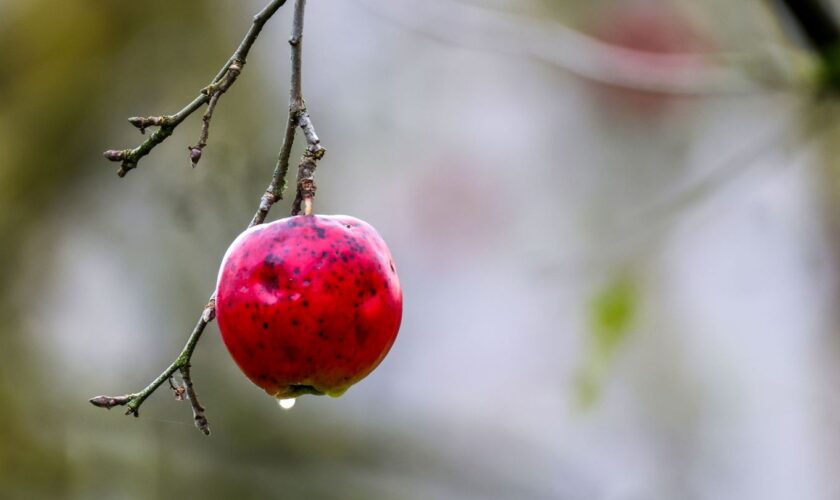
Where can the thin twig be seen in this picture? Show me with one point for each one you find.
(178, 391)
(198, 410)
(298, 117)
(314, 151)
(133, 401)
(166, 124)
(215, 92)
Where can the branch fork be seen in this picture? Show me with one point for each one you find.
(297, 118)
(209, 95)
(213, 91)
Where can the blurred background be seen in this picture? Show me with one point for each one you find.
(617, 225)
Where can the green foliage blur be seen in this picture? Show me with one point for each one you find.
(612, 313)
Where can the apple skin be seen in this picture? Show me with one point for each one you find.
(309, 304)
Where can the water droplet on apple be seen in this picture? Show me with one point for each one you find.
(286, 404)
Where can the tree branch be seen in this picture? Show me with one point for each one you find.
(166, 124)
(297, 117)
(198, 410)
(215, 92)
(133, 401)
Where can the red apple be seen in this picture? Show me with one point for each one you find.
(308, 304)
